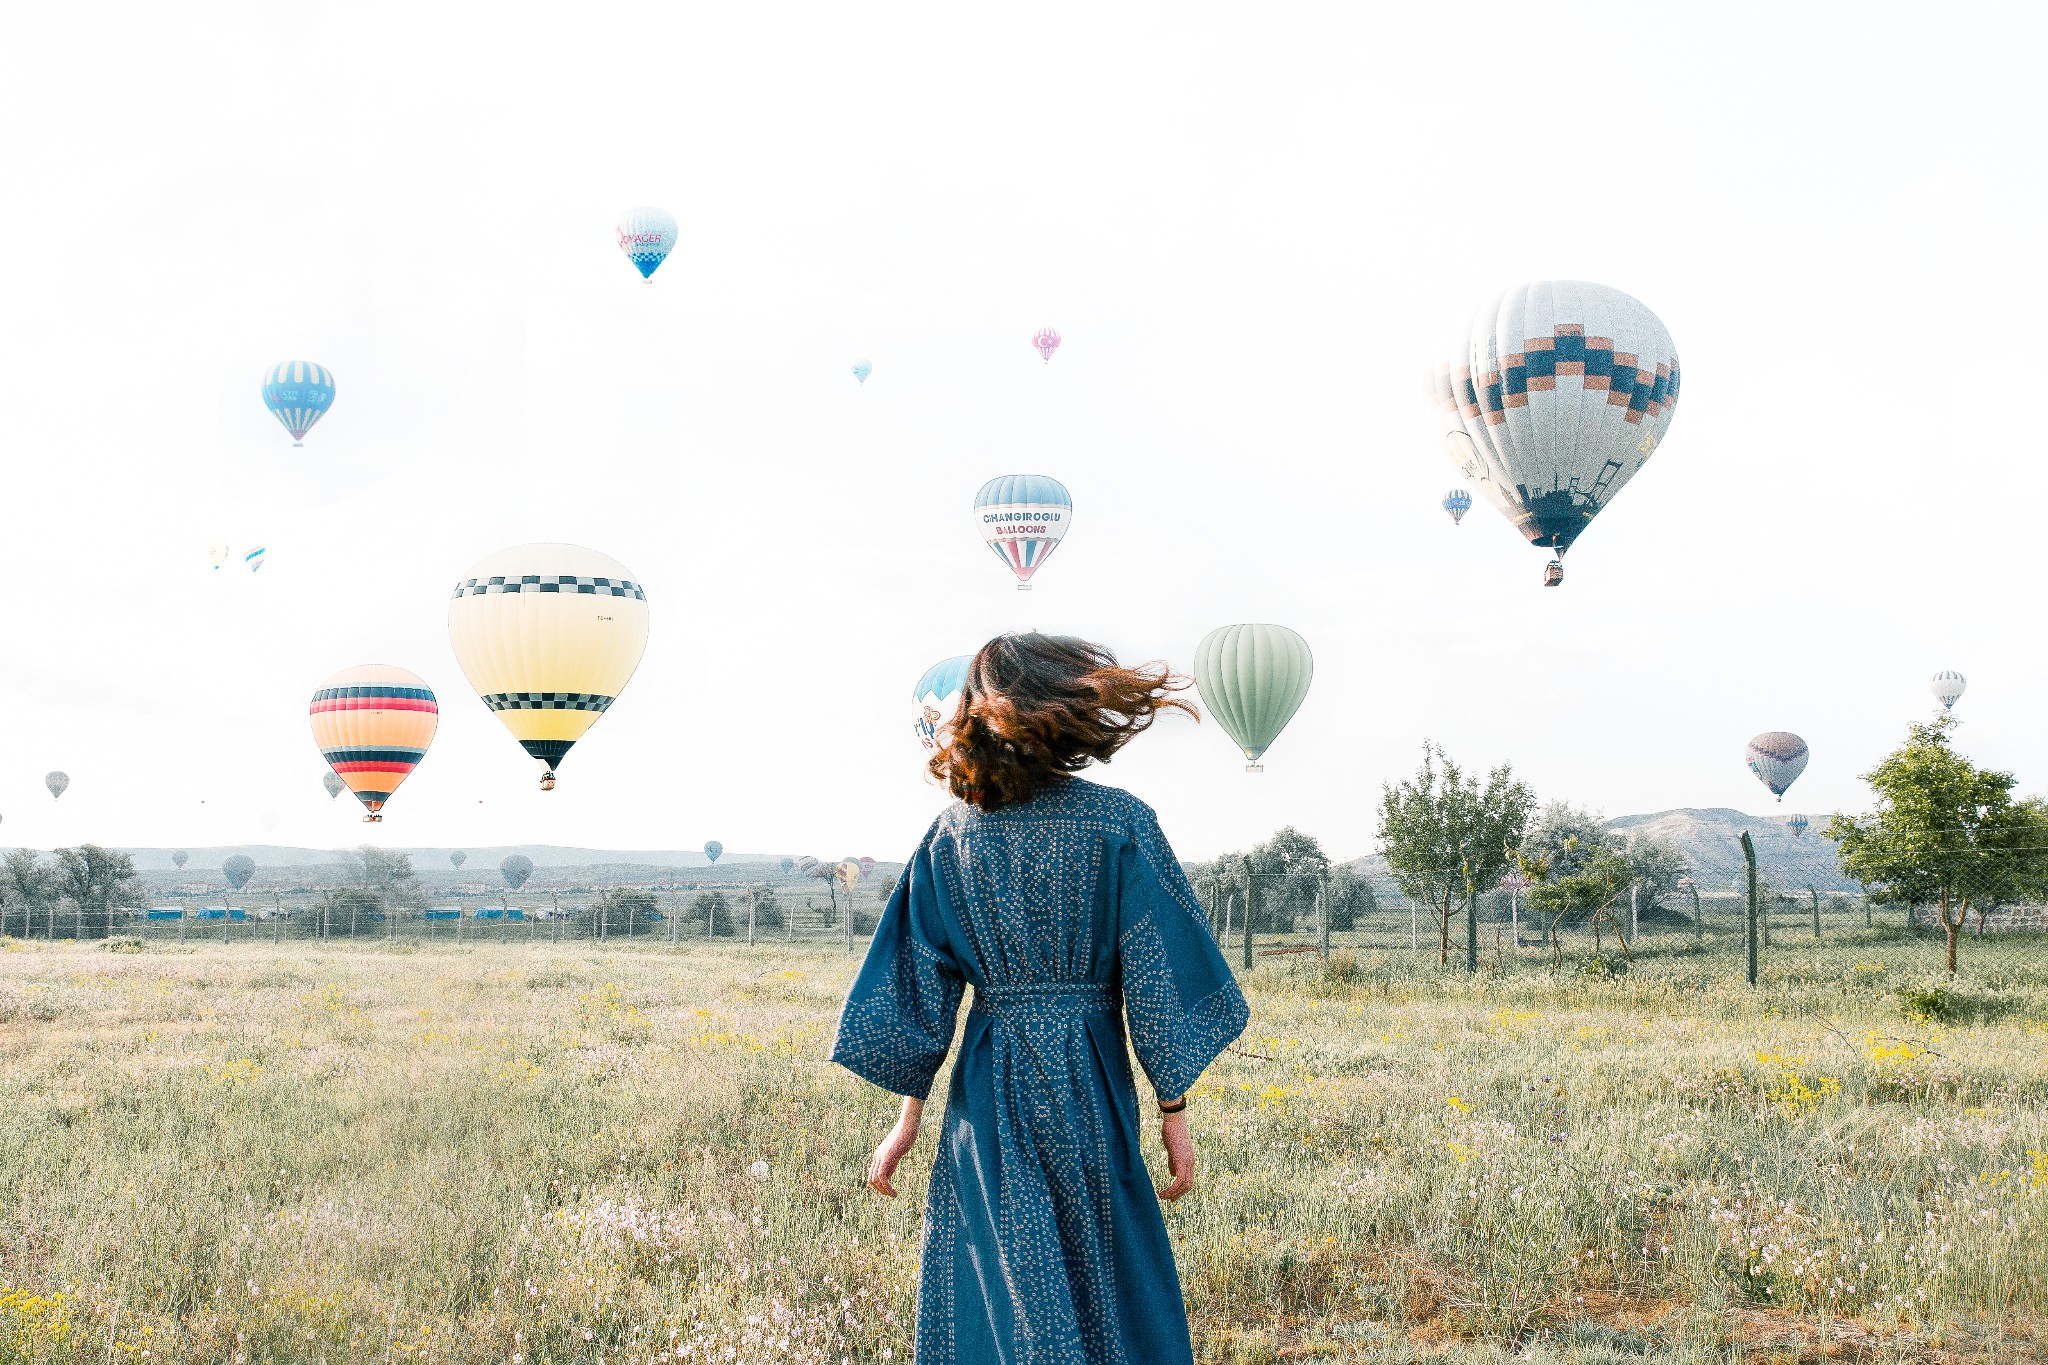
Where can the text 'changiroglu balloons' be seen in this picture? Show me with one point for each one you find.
(298, 393)
(647, 235)
(937, 697)
(1777, 757)
(1555, 394)
(1947, 687)
(1023, 517)
(1252, 679)
(373, 724)
(548, 635)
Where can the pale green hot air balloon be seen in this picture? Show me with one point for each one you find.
(1252, 679)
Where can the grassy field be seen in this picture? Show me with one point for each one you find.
(540, 1153)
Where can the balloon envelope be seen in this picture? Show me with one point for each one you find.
(254, 559)
(548, 635)
(217, 553)
(178, 859)
(298, 393)
(937, 696)
(373, 724)
(332, 781)
(861, 370)
(458, 858)
(647, 234)
(1023, 517)
(1253, 678)
(1047, 341)
(1947, 687)
(1457, 502)
(58, 783)
(848, 873)
(516, 868)
(1777, 757)
(238, 868)
(1554, 395)
(712, 849)
(1798, 824)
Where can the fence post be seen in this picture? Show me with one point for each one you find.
(1749, 858)
(1471, 923)
(1229, 903)
(1815, 893)
(1635, 916)
(1251, 896)
(846, 921)
(555, 906)
(752, 901)
(184, 913)
(1699, 926)
(276, 919)
(1322, 925)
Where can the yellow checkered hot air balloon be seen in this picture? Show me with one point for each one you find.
(373, 725)
(548, 635)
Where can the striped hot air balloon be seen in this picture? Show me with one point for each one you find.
(1777, 757)
(298, 393)
(1457, 502)
(373, 725)
(548, 635)
(1047, 341)
(937, 695)
(1947, 687)
(647, 235)
(254, 559)
(1023, 517)
(1798, 824)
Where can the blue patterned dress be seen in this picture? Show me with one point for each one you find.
(1070, 917)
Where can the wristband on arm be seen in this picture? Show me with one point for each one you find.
(1173, 1106)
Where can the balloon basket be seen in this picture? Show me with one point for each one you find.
(1023, 587)
(373, 819)
(547, 782)
(1255, 767)
(1553, 573)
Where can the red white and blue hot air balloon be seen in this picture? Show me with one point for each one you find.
(937, 696)
(647, 234)
(1777, 757)
(1023, 518)
(1457, 502)
(298, 394)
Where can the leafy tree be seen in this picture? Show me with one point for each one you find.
(623, 910)
(342, 906)
(28, 884)
(1564, 838)
(1655, 867)
(1589, 891)
(516, 868)
(1445, 835)
(97, 880)
(238, 868)
(1291, 868)
(711, 906)
(763, 906)
(1945, 833)
(1348, 898)
(387, 876)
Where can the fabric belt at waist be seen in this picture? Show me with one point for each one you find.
(1051, 1000)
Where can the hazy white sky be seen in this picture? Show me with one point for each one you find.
(1255, 233)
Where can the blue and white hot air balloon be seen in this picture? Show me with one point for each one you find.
(1553, 396)
(1947, 687)
(647, 235)
(1023, 518)
(1457, 502)
(298, 394)
(937, 696)
(862, 369)
(254, 559)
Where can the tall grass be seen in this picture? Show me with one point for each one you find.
(571, 1154)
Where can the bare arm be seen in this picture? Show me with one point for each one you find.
(896, 1146)
(1180, 1152)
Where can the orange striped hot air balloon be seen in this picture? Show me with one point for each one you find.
(373, 725)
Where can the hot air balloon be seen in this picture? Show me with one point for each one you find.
(516, 868)
(1798, 824)
(806, 863)
(1253, 678)
(1555, 394)
(238, 868)
(1023, 517)
(1047, 341)
(1457, 502)
(647, 235)
(788, 866)
(457, 859)
(867, 866)
(1947, 687)
(217, 553)
(712, 849)
(1777, 757)
(937, 696)
(298, 393)
(178, 858)
(332, 781)
(254, 559)
(548, 635)
(373, 724)
(848, 874)
(861, 370)
(58, 783)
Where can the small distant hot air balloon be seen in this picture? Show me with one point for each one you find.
(647, 235)
(548, 635)
(516, 868)
(332, 781)
(1253, 678)
(937, 696)
(178, 858)
(806, 863)
(217, 553)
(238, 868)
(848, 874)
(712, 849)
(867, 866)
(58, 783)
(373, 725)
(1777, 757)
(861, 370)
(788, 865)
(1947, 687)
(1023, 517)
(1798, 824)
(254, 559)
(298, 393)
(457, 859)
(1047, 341)
(1554, 395)
(1457, 502)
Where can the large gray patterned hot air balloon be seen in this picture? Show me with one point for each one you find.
(58, 783)
(1554, 395)
(238, 868)
(1777, 757)
(1252, 679)
(516, 868)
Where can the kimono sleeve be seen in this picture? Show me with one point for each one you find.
(897, 1024)
(1181, 1003)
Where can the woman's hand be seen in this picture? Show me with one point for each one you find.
(1180, 1154)
(896, 1146)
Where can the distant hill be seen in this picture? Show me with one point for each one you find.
(1709, 841)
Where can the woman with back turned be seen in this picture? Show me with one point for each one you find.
(1060, 903)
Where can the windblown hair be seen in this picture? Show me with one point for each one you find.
(1038, 707)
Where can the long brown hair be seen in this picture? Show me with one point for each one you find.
(1037, 707)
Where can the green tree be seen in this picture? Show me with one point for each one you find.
(1291, 868)
(711, 907)
(1445, 835)
(1348, 898)
(624, 910)
(1588, 892)
(1945, 833)
(97, 880)
(27, 885)
(1655, 868)
(1564, 838)
(387, 876)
